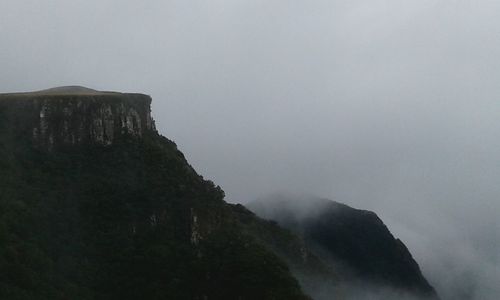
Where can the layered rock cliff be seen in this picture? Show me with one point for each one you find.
(59, 118)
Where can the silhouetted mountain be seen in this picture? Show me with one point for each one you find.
(354, 242)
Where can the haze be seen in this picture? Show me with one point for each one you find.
(385, 105)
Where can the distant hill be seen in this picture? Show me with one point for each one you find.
(72, 89)
(354, 242)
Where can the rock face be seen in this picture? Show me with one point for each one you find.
(55, 119)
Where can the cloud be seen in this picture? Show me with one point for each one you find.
(385, 105)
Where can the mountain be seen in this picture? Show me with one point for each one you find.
(354, 242)
(96, 204)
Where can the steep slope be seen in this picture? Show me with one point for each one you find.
(354, 242)
(95, 204)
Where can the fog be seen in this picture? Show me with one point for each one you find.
(389, 105)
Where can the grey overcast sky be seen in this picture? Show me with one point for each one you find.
(389, 105)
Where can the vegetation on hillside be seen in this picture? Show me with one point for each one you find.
(129, 221)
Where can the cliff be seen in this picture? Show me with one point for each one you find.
(57, 118)
(96, 204)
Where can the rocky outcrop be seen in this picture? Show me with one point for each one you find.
(61, 120)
